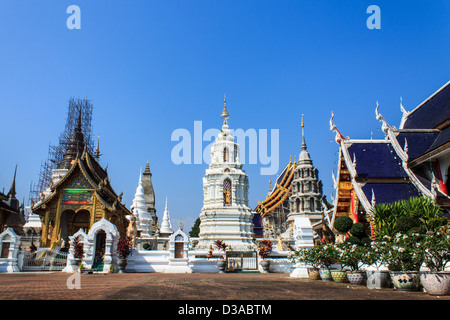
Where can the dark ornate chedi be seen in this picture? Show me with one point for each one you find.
(297, 193)
(149, 195)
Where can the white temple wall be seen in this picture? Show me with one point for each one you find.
(158, 261)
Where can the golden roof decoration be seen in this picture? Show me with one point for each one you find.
(281, 192)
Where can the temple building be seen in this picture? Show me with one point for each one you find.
(270, 218)
(11, 211)
(225, 214)
(297, 193)
(80, 194)
(413, 160)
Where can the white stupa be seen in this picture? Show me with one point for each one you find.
(166, 226)
(225, 214)
(144, 220)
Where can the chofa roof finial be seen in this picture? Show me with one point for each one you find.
(339, 137)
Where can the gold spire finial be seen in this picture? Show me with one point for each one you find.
(302, 121)
(97, 153)
(225, 114)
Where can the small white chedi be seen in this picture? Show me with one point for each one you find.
(139, 209)
(225, 214)
(304, 239)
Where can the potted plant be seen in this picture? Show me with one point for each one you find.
(308, 257)
(264, 250)
(351, 257)
(404, 261)
(220, 245)
(340, 252)
(400, 223)
(326, 256)
(123, 250)
(436, 256)
(78, 253)
(375, 257)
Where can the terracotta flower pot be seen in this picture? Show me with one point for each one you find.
(436, 283)
(339, 276)
(405, 280)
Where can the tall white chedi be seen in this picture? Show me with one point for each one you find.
(144, 220)
(225, 214)
(166, 226)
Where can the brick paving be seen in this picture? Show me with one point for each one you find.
(196, 286)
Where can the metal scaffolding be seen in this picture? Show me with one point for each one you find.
(56, 152)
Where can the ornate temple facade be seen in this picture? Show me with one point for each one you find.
(80, 194)
(413, 160)
(297, 193)
(225, 214)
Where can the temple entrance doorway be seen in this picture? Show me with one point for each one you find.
(81, 220)
(179, 250)
(100, 243)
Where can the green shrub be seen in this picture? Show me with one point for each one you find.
(343, 224)
(366, 241)
(358, 230)
(405, 224)
(353, 240)
(415, 215)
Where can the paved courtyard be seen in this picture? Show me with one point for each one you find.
(197, 286)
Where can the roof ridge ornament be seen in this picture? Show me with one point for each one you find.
(405, 149)
(97, 153)
(404, 112)
(433, 185)
(402, 108)
(385, 126)
(339, 137)
(335, 184)
(373, 202)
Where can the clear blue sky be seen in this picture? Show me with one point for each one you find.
(151, 67)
